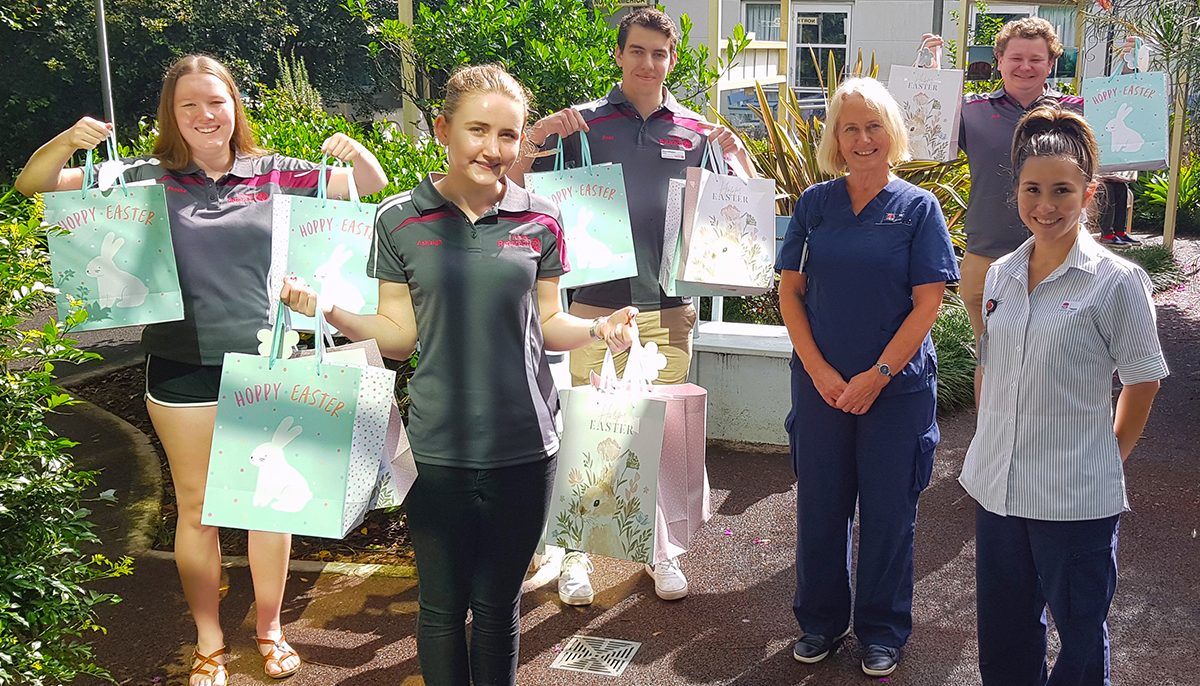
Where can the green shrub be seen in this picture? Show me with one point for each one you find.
(1159, 263)
(45, 607)
(955, 344)
(1150, 199)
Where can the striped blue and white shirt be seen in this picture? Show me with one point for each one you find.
(1044, 446)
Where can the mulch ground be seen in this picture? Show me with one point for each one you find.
(381, 539)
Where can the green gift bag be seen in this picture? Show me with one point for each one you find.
(595, 216)
(298, 442)
(326, 243)
(114, 256)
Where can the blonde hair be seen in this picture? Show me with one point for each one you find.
(881, 102)
(483, 78)
(170, 148)
(1029, 28)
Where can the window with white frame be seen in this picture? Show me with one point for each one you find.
(821, 30)
(761, 19)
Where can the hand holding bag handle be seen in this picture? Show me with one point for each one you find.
(585, 153)
(323, 187)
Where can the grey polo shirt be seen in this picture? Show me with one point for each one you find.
(650, 151)
(985, 134)
(221, 231)
(1044, 447)
(482, 395)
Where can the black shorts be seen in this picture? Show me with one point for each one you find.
(179, 384)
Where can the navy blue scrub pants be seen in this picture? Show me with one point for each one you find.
(881, 460)
(474, 532)
(1024, 565)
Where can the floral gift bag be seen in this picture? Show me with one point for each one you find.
(930, 100)
(728, 232)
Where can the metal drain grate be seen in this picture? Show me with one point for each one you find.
(595, 655)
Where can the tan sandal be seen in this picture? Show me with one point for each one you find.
(277, 654)
(207, 666)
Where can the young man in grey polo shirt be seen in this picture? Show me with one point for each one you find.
(1026, 51)
(641, 126)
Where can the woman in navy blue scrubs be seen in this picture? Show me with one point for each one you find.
(863, 269)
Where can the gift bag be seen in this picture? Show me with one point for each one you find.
(114, 255)
(728, 231)
(398, 468)
(298, 442)
(1129, 115)
(326, 243)
(673, 246)
(683, 491)
(595, 216)
(930, 100)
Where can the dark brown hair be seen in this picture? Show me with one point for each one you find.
(170, 148)
(1029, 27)
(483, 78)
(1051, 131)
(647, 18)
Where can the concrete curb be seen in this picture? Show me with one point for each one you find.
(143, 505)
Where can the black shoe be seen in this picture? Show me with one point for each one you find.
(812, 648)
(1111, 239)
(880, 660)
(1127, 239)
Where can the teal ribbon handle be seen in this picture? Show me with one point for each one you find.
(283, 322)
(716, 157)
(322, 186)
(89, 170)
(111, 143)
(585, 150)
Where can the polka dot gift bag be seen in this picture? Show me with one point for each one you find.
(299, 442)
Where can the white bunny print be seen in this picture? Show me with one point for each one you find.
(587, 252)
(335, 288)
(280, 486)
(1124, 138)
(117, 287)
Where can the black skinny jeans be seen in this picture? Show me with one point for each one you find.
(474, 532)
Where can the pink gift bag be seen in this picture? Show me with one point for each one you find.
(683, 493)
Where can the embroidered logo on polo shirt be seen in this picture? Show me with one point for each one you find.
(247, 198)
(518, 241)
(431, 243)
(174, 189)
(677, 142)
(607, 137)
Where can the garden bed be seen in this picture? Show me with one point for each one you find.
(381, 539)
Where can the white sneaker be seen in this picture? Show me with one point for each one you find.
(669, 581)
(574, 586)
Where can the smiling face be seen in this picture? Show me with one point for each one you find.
(1025, 65)
(645, 61)
(1051, 196)
(483, 138)
(204, 113)
(863, 140)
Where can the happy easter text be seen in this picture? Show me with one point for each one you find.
(301, 394)
(123, 213)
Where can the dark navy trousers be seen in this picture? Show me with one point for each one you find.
(1024, 565)
(881, 461)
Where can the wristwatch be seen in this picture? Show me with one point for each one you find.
(884, 369)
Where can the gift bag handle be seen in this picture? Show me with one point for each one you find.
(932, 57)
(89, 167)
(714, 159)
(585, 152)
(634, 378)
(323, 184)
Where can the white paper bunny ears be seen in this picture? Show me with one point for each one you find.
(641, 368)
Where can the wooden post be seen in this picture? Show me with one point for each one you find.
(1081, 8)
(410, 115)
(714, 51)
(1175, 157)
(785, 30)
(964, 30)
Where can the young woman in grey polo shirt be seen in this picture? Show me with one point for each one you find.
(1061, 314)
(468, 263)
(219, 185)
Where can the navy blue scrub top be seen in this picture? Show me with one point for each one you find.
(861, 271)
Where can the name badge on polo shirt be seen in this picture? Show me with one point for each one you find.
(673, 154)
(1069, 306)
